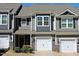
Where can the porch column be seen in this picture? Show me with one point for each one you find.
(24, 40)
(30, 40)
(14, 41)
(56, 42)
(54, 25)
(18, 41)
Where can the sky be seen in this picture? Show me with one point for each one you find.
(73, 4)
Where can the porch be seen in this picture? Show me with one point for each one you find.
(21, 40)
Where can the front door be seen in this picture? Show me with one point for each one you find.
(21, 41)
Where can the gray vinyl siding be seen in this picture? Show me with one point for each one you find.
(3, 27)
(43, 29)
(59, 29)
(27, 27)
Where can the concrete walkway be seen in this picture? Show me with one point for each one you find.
(43, 53)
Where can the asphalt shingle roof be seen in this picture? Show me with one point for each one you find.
(55, 9)
(6, 7)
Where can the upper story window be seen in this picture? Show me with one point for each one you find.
(46, 20)
(67, 23)
(24, 22)
(39, 20)
(42, 20)
(3, 19)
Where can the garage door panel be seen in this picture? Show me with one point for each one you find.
(4, 42)
(44, 44)
(68, 46)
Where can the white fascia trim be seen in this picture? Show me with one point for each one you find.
(69, 11)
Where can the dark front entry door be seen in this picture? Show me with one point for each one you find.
(24, 40)
(21, 41)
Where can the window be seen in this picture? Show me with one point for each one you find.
(67, 23)
(27, 22)
(23, 22)
(3, 18)
(46, 20)
(42, 20)
(70, 23)
(39, 20)
(63, 23)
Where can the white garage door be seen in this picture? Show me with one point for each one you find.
(44, 44)
(68, 45)
(4, 42)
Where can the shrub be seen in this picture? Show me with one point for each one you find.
(26, 48)
(17, 49)
(30, 50)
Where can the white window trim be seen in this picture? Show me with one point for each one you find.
(43, 21)
(1, 19)
(66, 25)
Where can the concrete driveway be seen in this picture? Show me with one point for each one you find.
(54, 53)
(64, 54)
(43, 53)
(39, 53)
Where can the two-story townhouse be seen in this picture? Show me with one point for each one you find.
(48, 27)
(7, 13)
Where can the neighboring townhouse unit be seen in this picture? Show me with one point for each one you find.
(7, 14)
(48, 27)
